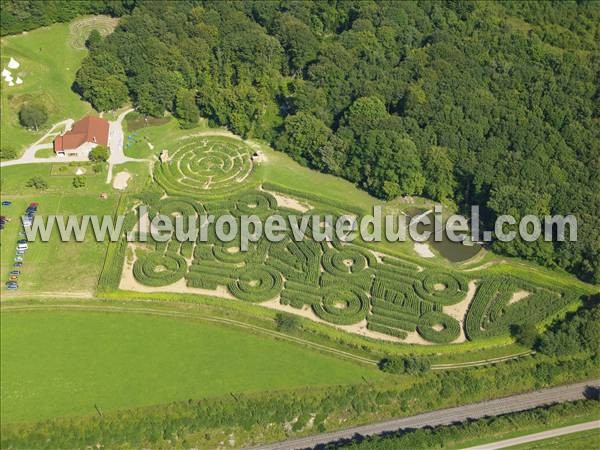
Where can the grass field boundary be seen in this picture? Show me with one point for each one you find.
(183, 315)
(255, 328)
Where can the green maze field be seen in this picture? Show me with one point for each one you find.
(343, 284)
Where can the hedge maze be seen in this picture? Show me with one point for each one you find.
(342, 283)
(205, 167)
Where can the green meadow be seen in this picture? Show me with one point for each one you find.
(63, 363)
(48, 67)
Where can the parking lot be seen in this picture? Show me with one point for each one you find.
(19, 219)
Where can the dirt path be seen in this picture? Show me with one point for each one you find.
(120, 180)
(459, 310)
(115, 144)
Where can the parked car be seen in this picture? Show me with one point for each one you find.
(22, 246)
(18, 264)
(12, 285)
(36, 204)
(15, 272)
(18, 259)
(6, 203)
(13, 278)
(22, 241)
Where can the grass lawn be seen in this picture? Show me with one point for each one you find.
(54, 266)
(80, 263)
(117, 360)
(48, 67)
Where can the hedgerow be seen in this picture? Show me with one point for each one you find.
(490, 313)
(158, 269)
(386, 330)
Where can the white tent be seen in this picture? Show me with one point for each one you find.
(18, 81)
(13, 64)
(5, 72)
(8, 78)
(10, 83)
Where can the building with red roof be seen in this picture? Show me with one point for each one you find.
(93, 130)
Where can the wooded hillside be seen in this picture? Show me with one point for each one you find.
(493, 104)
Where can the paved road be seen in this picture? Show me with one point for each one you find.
(444, 416)
(29, 157)
(595, 425)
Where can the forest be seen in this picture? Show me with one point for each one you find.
(494, 104)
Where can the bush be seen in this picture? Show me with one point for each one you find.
(99, 153)
(8, 153)
(37, 182)
(404, 364)
(79, 182)
(526, 334)
(33, 116)
(287, 322)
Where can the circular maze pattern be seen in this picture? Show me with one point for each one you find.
(256, 284)
(174, 206)
(255, 203)
(344, 261)
(342, 305)
(205, 167)
(159, 269)
(441, 287)
(437, 327)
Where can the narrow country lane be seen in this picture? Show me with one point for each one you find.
(594, 425)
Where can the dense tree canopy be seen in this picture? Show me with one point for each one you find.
(23, 15)
(483, 103)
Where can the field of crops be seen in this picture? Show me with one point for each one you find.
(341, 283)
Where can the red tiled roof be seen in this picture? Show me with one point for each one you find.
(89, 129)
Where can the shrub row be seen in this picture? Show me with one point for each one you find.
(386, 330)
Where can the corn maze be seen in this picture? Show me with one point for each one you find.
(343, 284)
(205, 167)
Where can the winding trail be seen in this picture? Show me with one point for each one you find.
(255, 328)
(29, 157)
